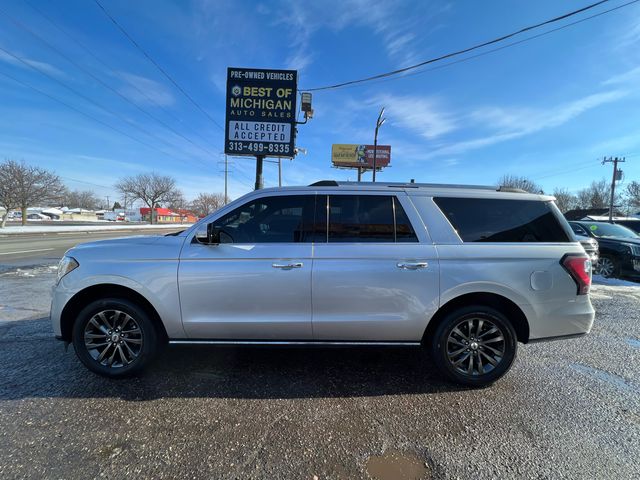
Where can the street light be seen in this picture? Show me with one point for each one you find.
(379, 123)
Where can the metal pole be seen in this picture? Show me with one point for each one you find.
(613, 188)
(279, 172)
(226, 171)
(359, 174)
(379, 123)
(259, 180)
(375, 151)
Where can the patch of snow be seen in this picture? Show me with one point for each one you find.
(613, 282)
(9, 230)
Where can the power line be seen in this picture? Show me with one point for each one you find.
(465, 50)
(140, 91)
(100, 81)
(97, 79)
(493, 50)
(101, 107)
(162, 70)
(62, 102)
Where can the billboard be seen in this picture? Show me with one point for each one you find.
(260, 112)
(354, 156)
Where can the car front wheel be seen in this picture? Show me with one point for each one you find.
(474, 346)
(114, 337)
(607, 267)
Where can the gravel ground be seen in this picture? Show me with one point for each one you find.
(566, 410)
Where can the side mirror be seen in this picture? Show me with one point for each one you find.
(209, 235)
(213, 234)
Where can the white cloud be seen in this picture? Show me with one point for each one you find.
(45, 67)
(508, 124)
(422, 115)
(143, 90)
(629, 77)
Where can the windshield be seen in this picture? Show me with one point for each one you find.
(601, 229)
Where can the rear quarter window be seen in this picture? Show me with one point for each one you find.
(498, 220)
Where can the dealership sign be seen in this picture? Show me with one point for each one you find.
(261, 112)
(360, 156)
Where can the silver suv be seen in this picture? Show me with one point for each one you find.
(465, 272)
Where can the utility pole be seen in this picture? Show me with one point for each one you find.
(615, 161)
(379, 123)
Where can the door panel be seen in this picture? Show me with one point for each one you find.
(360, 293)
(373, 280)
(232, 291)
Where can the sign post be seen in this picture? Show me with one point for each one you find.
(260, 114)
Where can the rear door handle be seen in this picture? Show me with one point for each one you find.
(412, 265)
(287, 266)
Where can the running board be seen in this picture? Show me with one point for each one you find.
(294, 342)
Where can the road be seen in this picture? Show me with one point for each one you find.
(567, 409)
(29, 249)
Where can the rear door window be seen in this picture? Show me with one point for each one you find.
(497, 220)
(368, 218)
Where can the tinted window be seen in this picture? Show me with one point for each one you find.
(367, 218)
(271, 219)
(496, 220)
(404, 230)
(578, 230)
(603, 229)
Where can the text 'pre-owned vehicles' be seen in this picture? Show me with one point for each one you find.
(465, 272)
(619, 247)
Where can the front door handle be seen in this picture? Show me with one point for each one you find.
(412, 265)
(287, 266)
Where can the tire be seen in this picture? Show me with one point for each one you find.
(447, 347)
(608, 267)
(115, 338)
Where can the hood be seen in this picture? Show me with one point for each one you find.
(120, 242)
(129, 249)
(633, 241)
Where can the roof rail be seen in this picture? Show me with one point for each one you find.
(335, 183)
(510, 189)
(325, 183)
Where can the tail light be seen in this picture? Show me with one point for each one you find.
(579, 268)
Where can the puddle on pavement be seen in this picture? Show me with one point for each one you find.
(634, 342)
(609, 378)
(394, 465)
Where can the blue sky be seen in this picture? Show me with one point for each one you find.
(548, 109)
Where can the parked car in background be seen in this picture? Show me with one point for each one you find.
(630, 223)
(464, 272)
(591, 247)
(619, 247)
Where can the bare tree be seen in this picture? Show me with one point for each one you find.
(206, 203)
(523, 183)
(595, 195)
(8, 194)
(632, 196)
(151, 188)
(565, 200)
(81, 199)
(29, 185)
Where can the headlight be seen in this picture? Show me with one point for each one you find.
(66, 265)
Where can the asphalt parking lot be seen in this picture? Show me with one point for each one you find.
(566, 410)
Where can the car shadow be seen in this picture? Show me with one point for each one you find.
(34, 364)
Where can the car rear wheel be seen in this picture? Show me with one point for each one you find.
(607, 267)
(474, 346)
(114, 337)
